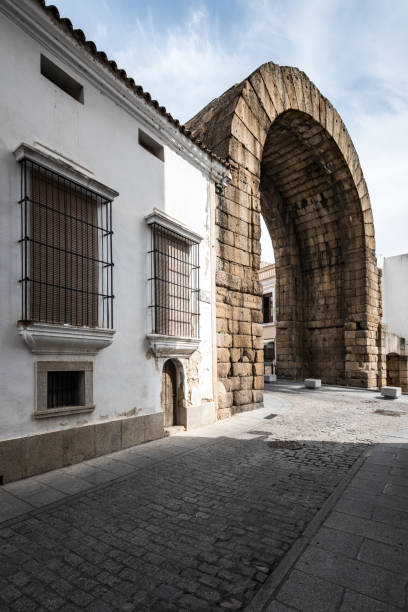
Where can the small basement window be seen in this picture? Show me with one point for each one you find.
(151, 145)
(61, 79)
(65, 389)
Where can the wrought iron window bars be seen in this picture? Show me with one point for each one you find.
(66, 251)
(174, 283)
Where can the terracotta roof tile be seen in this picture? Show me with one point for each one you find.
(101, 56)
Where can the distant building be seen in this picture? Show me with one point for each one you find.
(268, 279)
(395, 318)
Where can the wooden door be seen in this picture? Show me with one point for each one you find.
(169, 393)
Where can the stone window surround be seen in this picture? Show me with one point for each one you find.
(44, 338)
(41, 381)
(162, 345)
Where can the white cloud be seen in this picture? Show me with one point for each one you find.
(354, 50)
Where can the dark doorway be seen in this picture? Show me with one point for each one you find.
(169, 393)
(393, 370)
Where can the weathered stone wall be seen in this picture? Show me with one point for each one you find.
(293, 160)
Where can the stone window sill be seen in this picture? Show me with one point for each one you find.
(63, 411)
(47, 338)
(172, 346)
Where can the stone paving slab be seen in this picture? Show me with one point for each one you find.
(195, 521)
(358, 559)
(204, 520)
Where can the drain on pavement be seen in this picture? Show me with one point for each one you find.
(285, 444)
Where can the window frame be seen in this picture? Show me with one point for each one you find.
(160, 221)
(59, 168)
(42, 368)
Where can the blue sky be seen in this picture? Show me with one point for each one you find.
(187, 52)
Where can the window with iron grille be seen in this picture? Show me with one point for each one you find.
(66, 246)
(174, 283)
(65, 389)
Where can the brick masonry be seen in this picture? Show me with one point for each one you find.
(293, 160)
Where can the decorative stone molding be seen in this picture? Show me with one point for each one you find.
(46, 339)
(172, 346)
(163, 219)
(56, 162)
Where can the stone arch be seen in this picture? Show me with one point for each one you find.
(173, 385)
(293, 160)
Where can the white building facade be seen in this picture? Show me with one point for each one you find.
(395, 318)
(107, 240)
(267, 276)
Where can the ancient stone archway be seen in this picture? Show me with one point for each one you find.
(293, 160)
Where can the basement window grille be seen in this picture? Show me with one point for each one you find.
(66, 251)
(65, 389)
(174, 283)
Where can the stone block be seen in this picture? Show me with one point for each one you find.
(223, 355)
(241, 314)
(78, 444)
(258, 382)
(257, 396)
(233, 326)
(246, 382)
(223, 369)
(108, 437)
(233, 383)
(258, 369)
(224, 340)
(242, 397)
(249, 353)
(225, 400)
(235, 354)
(241, 369)
(244, 327)
(256, 316)
(44, 452)
(12, 459)
(153, 426)
(313, 383)
(391, 392)
(242, 341)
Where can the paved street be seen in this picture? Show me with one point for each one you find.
(242, 513)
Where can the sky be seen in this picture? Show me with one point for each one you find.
(187, 52)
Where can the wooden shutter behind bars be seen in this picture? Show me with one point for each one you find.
(64, 250)
(173, 286)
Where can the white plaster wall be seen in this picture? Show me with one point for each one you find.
(103, 138)
(269, 329)
(395, 294)
(186, 199)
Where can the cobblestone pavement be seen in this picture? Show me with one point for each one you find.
(197, 521)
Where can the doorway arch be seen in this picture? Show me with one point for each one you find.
(172, 393)
(293, 160)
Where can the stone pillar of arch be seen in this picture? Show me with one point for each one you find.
(293, 160)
